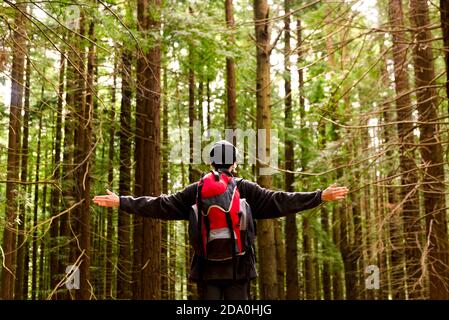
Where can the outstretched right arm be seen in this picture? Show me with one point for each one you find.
(167, 207)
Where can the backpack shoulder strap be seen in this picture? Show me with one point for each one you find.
(227, 172)
(199, 203)
(216, 175)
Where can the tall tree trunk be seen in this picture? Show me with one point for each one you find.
(22, 245)
(280, 257)
(13, 162)
(165, 271)
(68, 178)
(444, 12)
(79, 107)
(124, 227)
(192, 117)
(321, 144)
(291, 232)
(192, 113)
(336, 225)
(54, 195)
(36, 202)
(309, 271)
(110, 228)
(84, 146)
(369, 236)
(337, 279)
(266, 240)
(231, 120)
(327, 281)
(142, 7)
(391, 249)
(152, 228)
(351, 234)
(200, 112)
(410, 208)
(43, 240)
(148, 153)
(431, 152)
(349, 260)
(309, 268)
(172, 261)
(185, 265)
(208, 103)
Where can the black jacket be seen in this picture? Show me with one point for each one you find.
(264, 203)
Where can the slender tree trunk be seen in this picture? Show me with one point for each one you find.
(266, 240)
(208, 103)
(280, 257)
(368, 234)
(152, 228)
(110, 228)
(173, 260)
(138, 235)
(291, 232)
(84, 161)
(337, 279)
(192, 113)
(410, 208)
(431, 152)
(124, 227)
(309, 271)
(13, 162)
(22, 245)
(36, 206)
(54, 195)
(381, 245)
(200, 101)
(324, 220)
(351, 236)
(44, 239)
(148, 156)
(79, 107)
(165, 271)
(389, 266)
(327, 281)
(394, 248)
(192, 117)
(231, 120)
(309, 268)
(349, 260)
(142, 7)
(352, 240)
(444, 12)
(67, 178)
(185, 265)
(336, 224)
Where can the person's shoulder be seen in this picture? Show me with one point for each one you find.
(239, 181)
(245, 184)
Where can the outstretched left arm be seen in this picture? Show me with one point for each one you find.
(267, 204)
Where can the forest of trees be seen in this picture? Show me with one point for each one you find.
(96, 95)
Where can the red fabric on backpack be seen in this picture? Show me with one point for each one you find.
(226, 197)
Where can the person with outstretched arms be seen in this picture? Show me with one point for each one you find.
(222, 210)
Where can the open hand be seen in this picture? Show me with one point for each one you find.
(334, 193)
(111, 200)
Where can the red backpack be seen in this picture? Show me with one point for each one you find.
(222, 223)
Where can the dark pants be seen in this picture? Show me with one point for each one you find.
(225, 289)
